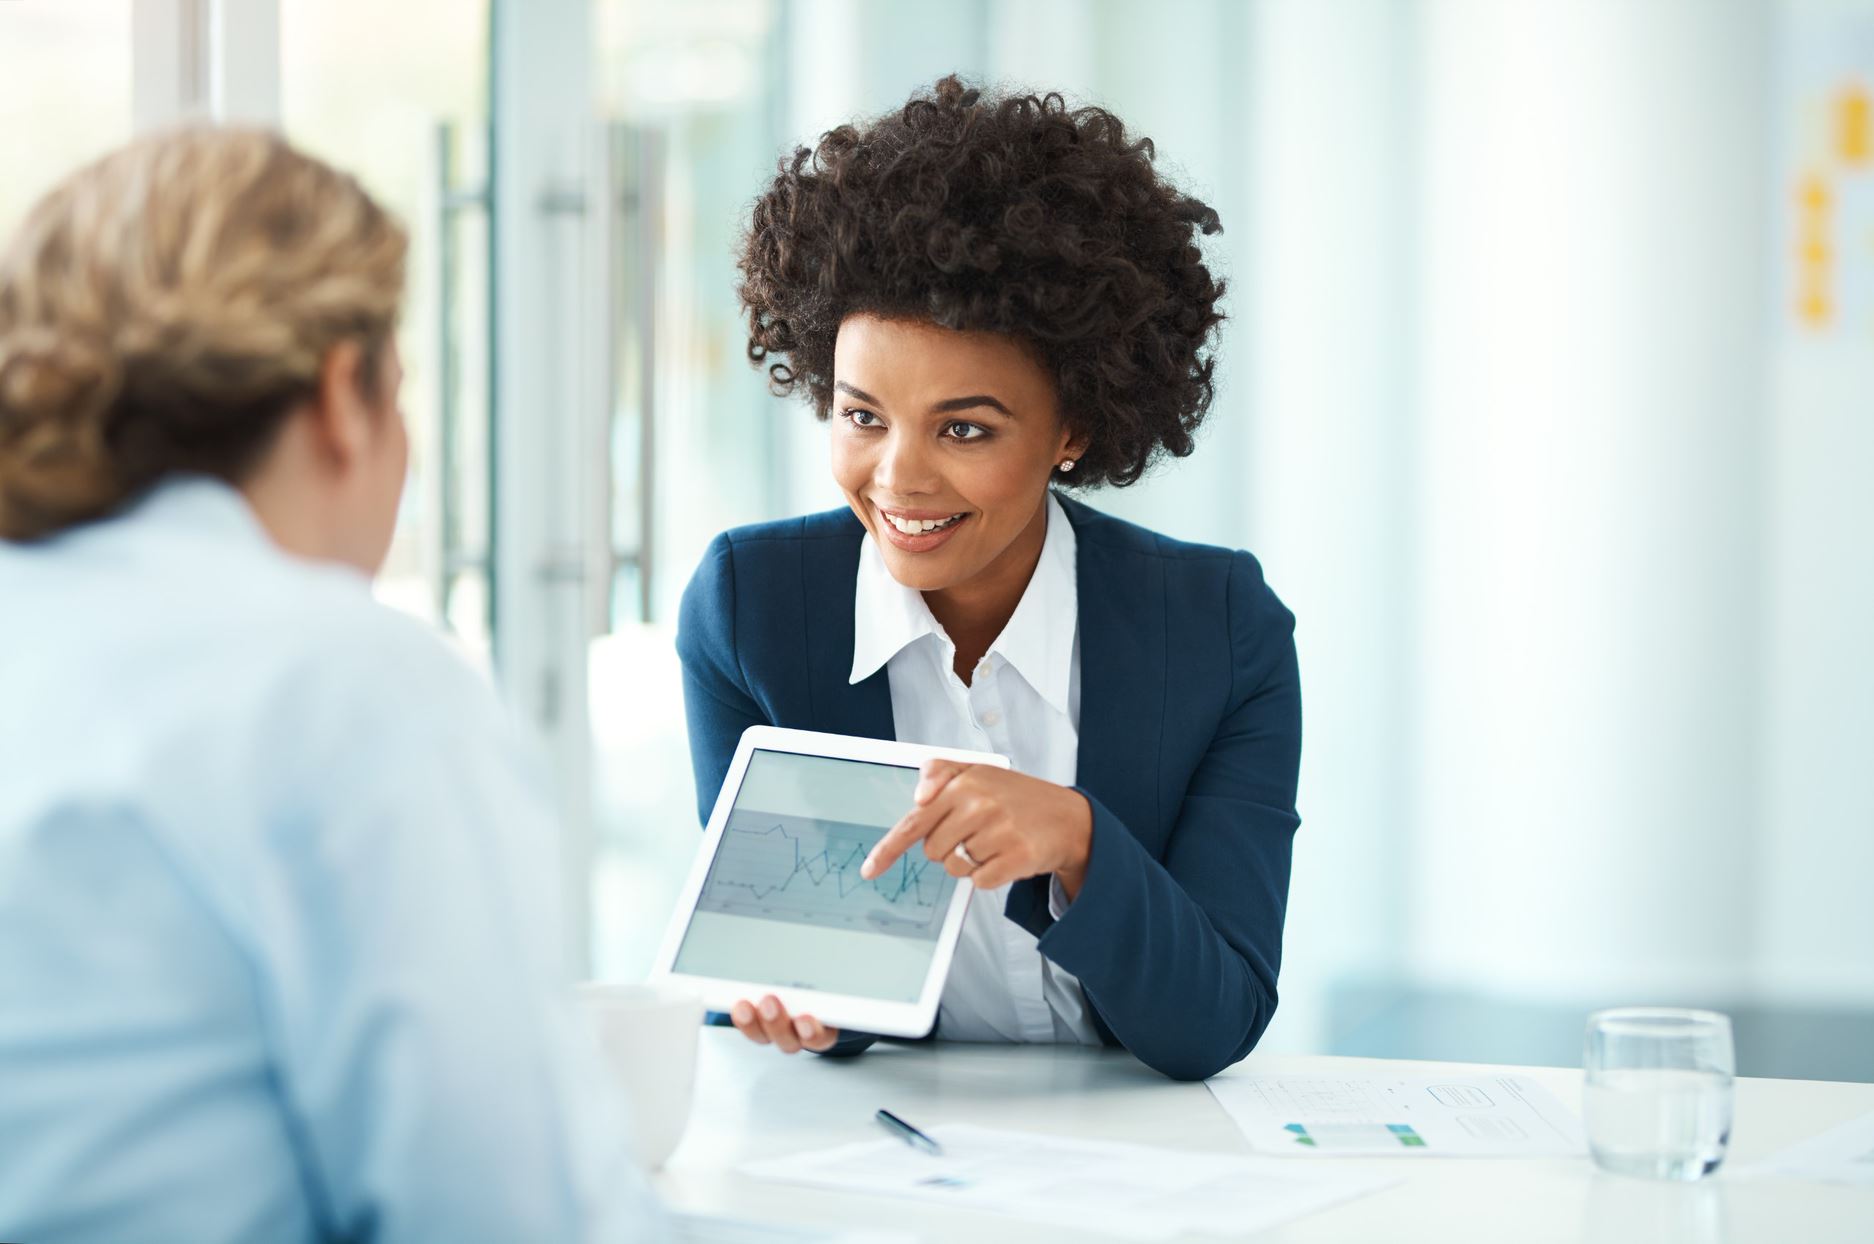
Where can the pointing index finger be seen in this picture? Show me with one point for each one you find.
(895, 843)
(934, 778)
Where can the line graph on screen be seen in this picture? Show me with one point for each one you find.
(807, 871)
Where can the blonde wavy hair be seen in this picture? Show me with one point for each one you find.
(163, 309)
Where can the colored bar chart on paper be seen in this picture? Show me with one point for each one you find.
(1388, 1116)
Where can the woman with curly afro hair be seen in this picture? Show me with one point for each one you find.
(995, 299)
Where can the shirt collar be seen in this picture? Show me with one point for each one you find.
(204, 504)
(1038, 640)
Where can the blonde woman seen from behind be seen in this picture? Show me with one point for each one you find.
(277, 926)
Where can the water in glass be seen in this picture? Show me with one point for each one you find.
(1665, 1123)
(1658, 1091)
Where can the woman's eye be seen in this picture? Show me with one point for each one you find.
(961, 431)
(862, 418)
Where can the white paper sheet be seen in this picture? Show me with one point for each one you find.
(1128, 1190)
(1841, 1155)
(1400, 1116)
(709, 1229)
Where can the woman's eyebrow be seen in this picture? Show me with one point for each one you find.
(951, 404)
(948, 406)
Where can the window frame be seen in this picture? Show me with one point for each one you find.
(204, 60)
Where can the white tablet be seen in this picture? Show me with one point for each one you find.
(775, 903)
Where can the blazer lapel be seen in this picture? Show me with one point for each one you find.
(829, 583)
(1122, 674)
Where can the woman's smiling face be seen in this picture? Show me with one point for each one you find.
(944, 443)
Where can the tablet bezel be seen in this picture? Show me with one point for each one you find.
(901, 1019)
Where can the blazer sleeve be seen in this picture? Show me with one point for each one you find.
(717, 704)
(1179, 958)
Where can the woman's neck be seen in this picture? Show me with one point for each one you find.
(975, 612)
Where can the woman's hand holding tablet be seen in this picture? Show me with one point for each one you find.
(992, 825)
(768, 1023)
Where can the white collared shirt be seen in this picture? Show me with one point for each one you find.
(1022, 701)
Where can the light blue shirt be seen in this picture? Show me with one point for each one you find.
(277, 913)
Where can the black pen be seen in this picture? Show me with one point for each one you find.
(910, 1135)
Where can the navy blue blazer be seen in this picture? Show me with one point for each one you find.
(1190, 738)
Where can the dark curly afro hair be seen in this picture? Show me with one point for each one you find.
(1015, 215)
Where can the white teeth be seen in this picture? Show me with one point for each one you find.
(917, 527)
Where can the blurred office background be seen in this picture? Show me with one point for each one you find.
(1547, 401)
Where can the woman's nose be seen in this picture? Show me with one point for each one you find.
(905, 466)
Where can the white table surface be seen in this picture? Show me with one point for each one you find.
(753, 1102)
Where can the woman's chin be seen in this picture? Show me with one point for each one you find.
(922, 572)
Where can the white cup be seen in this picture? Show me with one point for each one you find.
(648, 1034)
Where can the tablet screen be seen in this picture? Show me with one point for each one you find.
(784, 903)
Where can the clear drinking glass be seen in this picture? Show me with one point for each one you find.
(1658, 1096)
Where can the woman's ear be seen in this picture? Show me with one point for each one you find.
(342, 421)
(1075, 443)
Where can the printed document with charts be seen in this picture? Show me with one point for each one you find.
(1136, 1191)
(1508, 1116)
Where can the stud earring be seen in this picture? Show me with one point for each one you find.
(1067, 465)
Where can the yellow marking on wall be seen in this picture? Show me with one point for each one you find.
(1854, 126)
(1814, 195)
(1815, 306)
(1815, 309)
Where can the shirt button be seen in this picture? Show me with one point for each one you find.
(992, 718)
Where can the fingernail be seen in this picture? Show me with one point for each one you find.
(804, 1027)
(770, 1009)
(742, 1013)
(866, 867)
